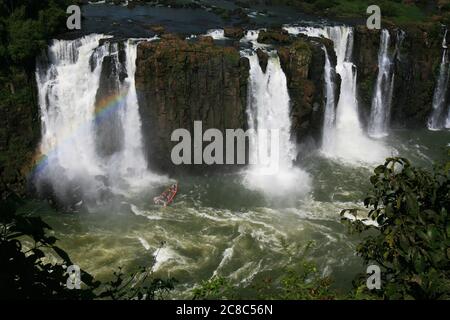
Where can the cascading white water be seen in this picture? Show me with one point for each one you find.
(251, 35)
(438, 119)
(132, 165)
(382, 98)
(68, 89)
(444, 45)
(330, 106)
(350, 144)
(216, 34)
(67, 93)
(269, 117)
(447, 121)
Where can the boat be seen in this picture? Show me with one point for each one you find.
(166, 198)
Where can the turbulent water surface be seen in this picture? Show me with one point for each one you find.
(232, 225)
(218, 226)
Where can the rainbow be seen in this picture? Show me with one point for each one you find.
(103, 109)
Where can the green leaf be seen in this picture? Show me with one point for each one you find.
(380, 169)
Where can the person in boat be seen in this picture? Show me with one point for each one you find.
(167, 196)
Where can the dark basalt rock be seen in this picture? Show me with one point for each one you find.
(234, 32)
(157, 29)
(263, 58)
(303, 63)
(416, 67)
(275, 37)
(416, 74)
(109, 132)
(179, 82)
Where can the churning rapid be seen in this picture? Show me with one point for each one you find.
(439, 119)
(227, 224)
(91, 133)
(350, 143)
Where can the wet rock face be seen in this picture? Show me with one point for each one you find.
(275, 37)
(303, 63)
(109, 132)
(178, 83)
(234, 32)
(263, 58)
(416, 64)
(416, 74)
(365, 57)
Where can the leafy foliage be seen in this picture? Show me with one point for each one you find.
(140, 285)
(27, 272)
(411, 241)
(300, 280)
(216, 288)
(26, 26)
(39, 270)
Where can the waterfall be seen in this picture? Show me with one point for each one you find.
(133, 162)
(82, 111)
(382, 98)
(330, 113)
(216, 34)
(251, 35)
(447, 122)
(438, 120)
(350, 144)
(269, 116)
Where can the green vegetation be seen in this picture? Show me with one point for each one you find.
(396, 11)
(411, 205)
(300, 280)
(25, 29)
(32, 266)
(216, 288)
(411, 243)
(25, 273)
(391, 10)
(26, 26)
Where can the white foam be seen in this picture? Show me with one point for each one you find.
(144, 243)
(216, 34)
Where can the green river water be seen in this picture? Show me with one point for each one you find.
(217, 226)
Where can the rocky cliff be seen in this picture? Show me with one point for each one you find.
(179, 82)
(416, 64)
(303, 62)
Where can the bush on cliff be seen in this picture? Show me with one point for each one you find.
(26, 26)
